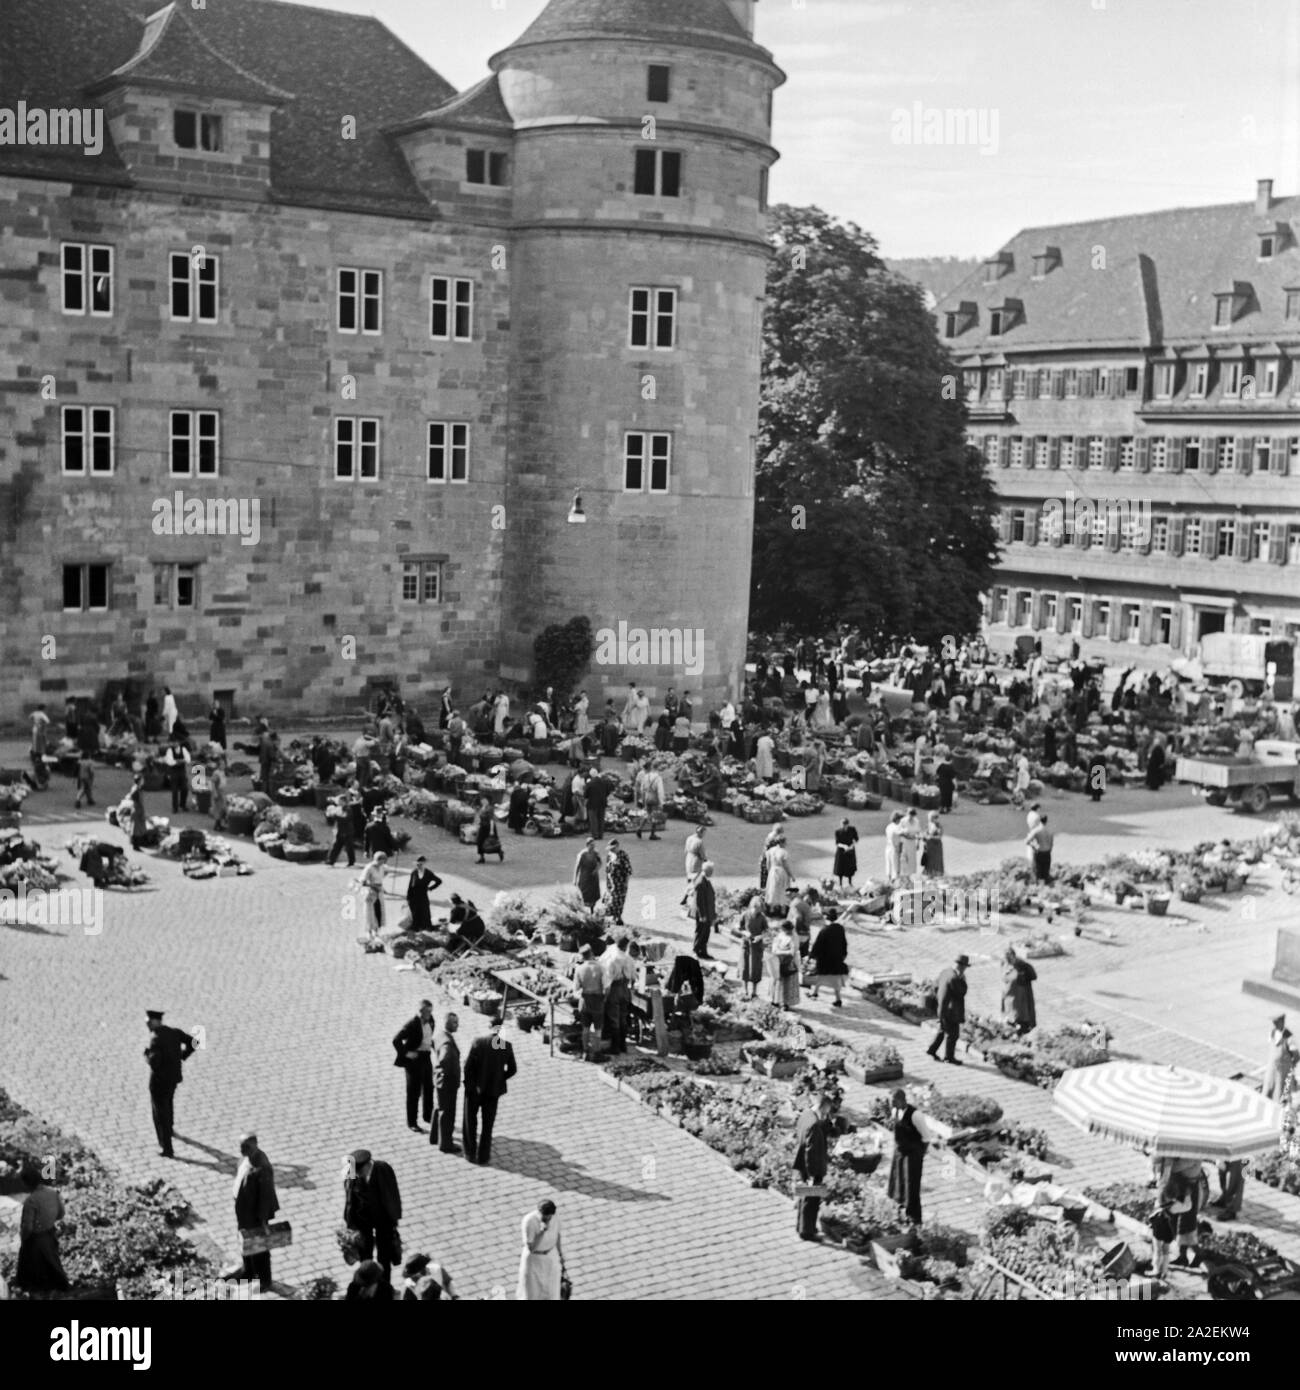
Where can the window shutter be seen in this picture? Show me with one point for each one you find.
(1054, 534)
(1085, 383)
(1142, 454)
(1116, 384)
(1210, 545)
(1087, 617)
(1209, 454)
(1245, 451)
(1080, 452)
(1112, 532)
(1061, 613)
(1116, 629)
(1112, 453)
(1035, 609)
(1027, 451)
(990, 605)
(1054, 451)
(1002, 450)
(1031, 385)
(1144, 624)
(1174, 454)
(1004, 527)
(1176, 628)
(1284, 459)
(1145, 532)
(1242, 551)
(1058, 385)
(1276, 543)
(1177, 527)
(1031, 527)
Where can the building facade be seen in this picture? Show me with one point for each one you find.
(1134, 386)
(301, 370)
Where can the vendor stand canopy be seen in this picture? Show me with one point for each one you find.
(1169, 1112)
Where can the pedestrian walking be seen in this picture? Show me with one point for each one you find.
(893, 841)
(764, 757)
(909, 846)
(932, 846)
(586, 873)
(40, 744)
(779, 879)
(39, 1269)
(167, 1050)
(945, 776)
(783, 968)
(619, 976)
(911, 1138)
(753, 925)
(702, 906)
(829, 955)
(372, 882)
(421, 883)
(1033, 819)
(618, 870)
(1096, 775)
(651, 786)
(217, 784)
(1040, 841)
(379, 834)
(256, 1204)
(811, 1155)
(345, 821)
(800, 912)
(1232, 1185)
(846, 853)
(170, 713)
(597, 800)
(85, 781)
(694, 852)
(541, 1262)
(951, 990)
(413, 1043)
(488, 1067)
(1018, 978)
(589, 977)
(774, 836)
(139, 818)
(177, 762)
(486, 839)
(446, 1084)
(217, 725)
(1281, 1059)
(372, 1207)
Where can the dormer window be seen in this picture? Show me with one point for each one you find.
(1228, 304)
(996, 267)
(957, 321)
(195, 130)
(995, 323)
(1267, 245)
(1046, 261)
(485, 166)
(1004, 316)
(1293, 304)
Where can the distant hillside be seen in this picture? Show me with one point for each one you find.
(938, 274)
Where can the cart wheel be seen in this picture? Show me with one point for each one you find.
(1256, 800)
(1232, 1284)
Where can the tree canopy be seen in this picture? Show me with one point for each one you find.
(870, 506)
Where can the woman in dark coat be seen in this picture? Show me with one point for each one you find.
(1018, 978)
(422, 882)
(1156, 766)
(486, 840)
(586, 874)
(520, 800)
(139, 818)
(754, 926)
(830, 956)
(1096, 776)
(945, 776)
(39, 1268)
(217, 725)
(664, 733)
(846, 856)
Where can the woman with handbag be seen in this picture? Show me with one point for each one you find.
(486, 839)
(541, 1262)
(754, 926)
(829, 958)
(783, 988)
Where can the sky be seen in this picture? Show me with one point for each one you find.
(1081, 108)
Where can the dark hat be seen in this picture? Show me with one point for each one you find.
(416, 1265)
(1280, 1021)
(360, 1157)
(963, 960)
(154, 1014)
(585, 950)
(899, 1098)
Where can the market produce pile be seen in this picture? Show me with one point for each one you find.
(22, 861)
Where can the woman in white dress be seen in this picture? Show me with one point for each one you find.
(764, 762)
(580, 721)
(822, 718)
(909, 845)
(541, 1262)
(778, 876)
(783, 968)
(893, 834)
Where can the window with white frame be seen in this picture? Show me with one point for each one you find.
(1041, 450)
(1164, 383)
(1096, 452)
(1259, 539)
(1101, 381)
(1044, 383)
(1226, 454)
(1101, 616)
(88, 439)
(194, 287)
(1159, 455)
(485, 166)
(87, 276)
(194, 443)
(1160, 535)
(1231, 380)
(1163, 625)
(1017, 454)
(175, 586)
(448, 451)
(422, 581)
(1192, 532)
(647, 461)
(657, 173)
(1067, 452)
(1199, 381)
(1019, 387)
(991, 449)
(997, 383)
(361, 294)
(1024, 607)
(356, 447)
(1071, 383)
(1100, 526)
(1132, 622)
(1076, 616)
(1000, 605)
(1126, 453)
(1260, 454)
(971, 384)
(1192, 455)
(652, 318)
(1018, 524)
(196, 130)
(1293, 545)
(451, 309)
(1050, 609)
(1227, 545)
(85, 588)
(1266, 376)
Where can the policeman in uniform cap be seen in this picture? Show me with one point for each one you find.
(168, 1048)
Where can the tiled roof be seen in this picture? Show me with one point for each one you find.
(700, 23)
(1145, 280)
(480, 106)
(334, 65)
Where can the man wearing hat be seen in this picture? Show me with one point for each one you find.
(413, 1044)
(446, 1085)
(951, 989)
(372, 1206)
(255, 1204)
(810, 1159)
(589, 976)
(1281, 1059)
(489, 1065)
(911, 1136)
(168, 1048)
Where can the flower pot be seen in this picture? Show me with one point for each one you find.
(239, 824)
(1157, 904)
(697, 1051)
(203, 802)
(867, 1077)
(863, 1163)
(568, 942)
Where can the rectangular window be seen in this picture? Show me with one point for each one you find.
(1024, 608)
(1076, 616)
(1226, 454)
(88, 439)
(451, 309)
(485, 166)
(1260, 453)
(1049, 610)
(1266, 378)
(1191, 455)
(422, 581)
(1164, 625)
(995, 325)
(194, 288)
(1132, 622)
(1259, 537)
(993, 450)
(1126, 454)
(1101, 618)
(762, 195)
(1044, 383)
(646, 462)
(1227, 543)
(1223, 311)
(657, 82)
(1017, 454)
(1018, 524)
(1293, 545)
(1293, 304)
(658, 173)
(194, 443)
(1164, 385)
(356, 447)
(192, 130)
(175, 586)
(1096, 452)
(997, 381)
(1159, 455)
(1067, 451)
(1000, 605)
(360, 300)
(1132, 380)
(87, 274)
(1200, 380)
(1192, 532)
(652, 318)
(1041, 451)
(448, 451)
(971, 382)
(1101, 382)
(1160, 535)
(85, 588)
(1071, 383)
(1231, 380)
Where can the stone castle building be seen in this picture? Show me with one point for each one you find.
(1134, 385)
(301, 370)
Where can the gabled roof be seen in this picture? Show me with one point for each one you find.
(333, 64)
(1138, 281)
(696, 23)
(478, 108)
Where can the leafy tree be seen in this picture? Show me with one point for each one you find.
(561, 653)
(871, 508)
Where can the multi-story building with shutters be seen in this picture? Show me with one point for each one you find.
(295, 270)
(1134, 386)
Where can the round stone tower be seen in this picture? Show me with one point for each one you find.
(637, 276)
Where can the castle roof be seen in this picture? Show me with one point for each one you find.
(316, 66)
(696, 23)
(1151, 279)
(480, 107)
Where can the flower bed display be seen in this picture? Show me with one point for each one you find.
(1041, 1057)
(911, 1000)
(1042, 1255)
(775, 1058)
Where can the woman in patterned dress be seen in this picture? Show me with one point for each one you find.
(618, 869)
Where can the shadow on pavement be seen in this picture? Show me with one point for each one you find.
(534, 1160)
(286, 1174)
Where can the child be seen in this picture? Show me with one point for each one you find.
(85, 780)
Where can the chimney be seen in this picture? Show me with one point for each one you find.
(744, 13)
(1263, 196)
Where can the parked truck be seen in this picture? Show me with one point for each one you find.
(1251, 658)
(1246, 784)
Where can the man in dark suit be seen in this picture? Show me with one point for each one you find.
(413, 1044)
(446, 1084)
(255, 1204)
(168, 1048)
(490, 1064)
(810, 1162)
(372, 1206)
(597, 797)
(951, 989)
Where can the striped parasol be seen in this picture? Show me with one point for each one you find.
(1169, 1112)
